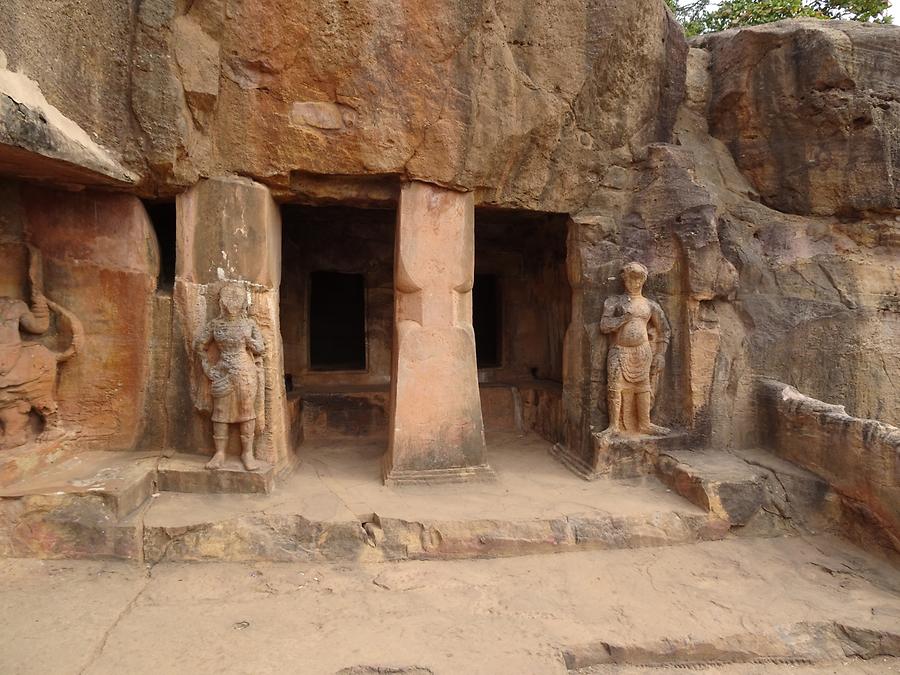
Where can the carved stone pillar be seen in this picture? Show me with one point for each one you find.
(436, 427)
(229, 229)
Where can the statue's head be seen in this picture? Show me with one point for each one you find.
(634, 275)
(233, 300)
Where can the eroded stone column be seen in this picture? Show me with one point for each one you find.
(436, 428)
(229, 230)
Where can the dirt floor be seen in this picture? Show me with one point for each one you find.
(804, 605)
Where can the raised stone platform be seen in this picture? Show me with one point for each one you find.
(750, 488)
(354, 411)
(335, 507)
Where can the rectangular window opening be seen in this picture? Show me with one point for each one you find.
(486, 320)
(337, 321)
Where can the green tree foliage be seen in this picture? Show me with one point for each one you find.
(703, 16)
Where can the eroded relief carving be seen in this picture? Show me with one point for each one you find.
(639, 336)
(236, 374)
(28, 369)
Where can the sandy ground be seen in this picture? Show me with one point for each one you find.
(514, 615)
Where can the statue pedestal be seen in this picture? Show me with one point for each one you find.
(622, 456)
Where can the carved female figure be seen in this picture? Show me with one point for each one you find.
(639, 337)
(234, 376)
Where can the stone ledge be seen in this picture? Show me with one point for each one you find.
(290, 537)
(750, 489)
(38, 141)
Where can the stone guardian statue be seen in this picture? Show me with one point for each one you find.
(237, 377)
(28, 370)
(639, 337)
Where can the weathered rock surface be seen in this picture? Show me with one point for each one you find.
(36, 140)
(751, 489)
(860, 458)
(810, 112)
(79, 56)
(529, 103)
(801, 643)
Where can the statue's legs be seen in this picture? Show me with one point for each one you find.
(14, 420)
(614, 407)
(644, 401)
(220, 442)
(630, 419)
(614, 393)
(247, 432)
(643, 411)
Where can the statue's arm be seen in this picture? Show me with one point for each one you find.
(256, 344)
(662, 331)
(200, 346)
(37, 319)
(609, 323)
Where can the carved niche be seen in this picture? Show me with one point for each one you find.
(639, 335)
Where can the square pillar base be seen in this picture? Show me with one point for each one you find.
(399, 478)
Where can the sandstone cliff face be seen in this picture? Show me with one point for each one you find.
(525, 102)
(751, 288)
(80, 55)
(754, 173)
(810, 111)
(529, 103)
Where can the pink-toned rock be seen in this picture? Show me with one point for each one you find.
(230, 231)
(100, 262)
(436, 430)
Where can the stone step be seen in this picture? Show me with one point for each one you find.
(81, 508)
(750, 489)
(92, 504)
(283, 536)
(621, 456)
(120, 481)
(346, 412)
(801, 644)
